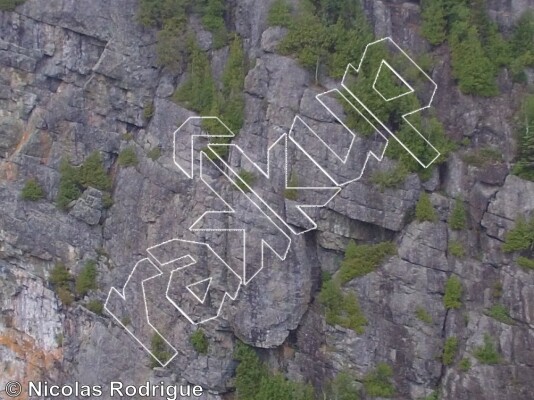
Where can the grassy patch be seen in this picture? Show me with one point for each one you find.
(500, 313)
(453, 293)
(86, 279)
(128, 157)
(424, 210)
(32, 191)
(390, 179)
(340, 308)
(365, 258)
(199, 341)
(487, 353)
(158, 348)
(95, 306)
(423, 315)
(457, 249)
(377, 383)
(458, 219)
(10, 5)
(280, 14)
(449, 350)
(154, 153)
(464, 365)
(483, 156)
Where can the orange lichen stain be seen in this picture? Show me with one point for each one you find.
(26, 134)
(36, 361)
(45, 146)
(8, 171)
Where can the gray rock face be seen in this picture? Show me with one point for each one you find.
(75, 76)
(88, 207)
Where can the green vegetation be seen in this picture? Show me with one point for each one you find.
(199, 341)
(254, 381)
(457, 219)
(60, 275)
(377, 383)
(453, 293)
(423, 315)
(107, 200)
(524, 168)
(327, 35)
(199, 92)
(500, 313)
(280, 14)
(154, 153)
(478, 49)
(340, 308)
(148, 111)
(246, 180)
(483, 156)
(93, 174)
(128, 157)
(213, 19)
(464, 365)
(433, 24)
(449, 350)
(390, 179)
(86, 279)
(60, 278)
(520, 238)
(424, 210)
(365, 258)
(65, 295)
(95, 306)
(526, 263)
(158, 348)
(32, 191)
(10, 5)
(487, 353)
(127, 137)
(457, 249)
(69, 187)
(73, 180)
(342, 387)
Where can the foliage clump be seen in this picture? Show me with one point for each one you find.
(199, 341)
(32, 190)
(340, 308)
(458, 219)
(95, 306)
(453, 293)
(449, 350)
(487, 353)
(423, 315)
(86, 279)
(362, 259)
(280, 14)
(343, 387)
(74, 179)
(158, 347)
(60, 278)
(456, 249)
(128, 157)
(10, 5)
(424, 210)
(500, 313)
(377, 383)
(254, 381)
(246, 180)
(524, 167)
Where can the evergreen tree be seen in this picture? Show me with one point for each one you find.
(92, 172)
(458, 218)
(280, 14)
(434, 23)
(198, 92)
(473, 70)
(424, 210)
(524, 167)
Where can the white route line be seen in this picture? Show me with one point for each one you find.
(263, 206)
